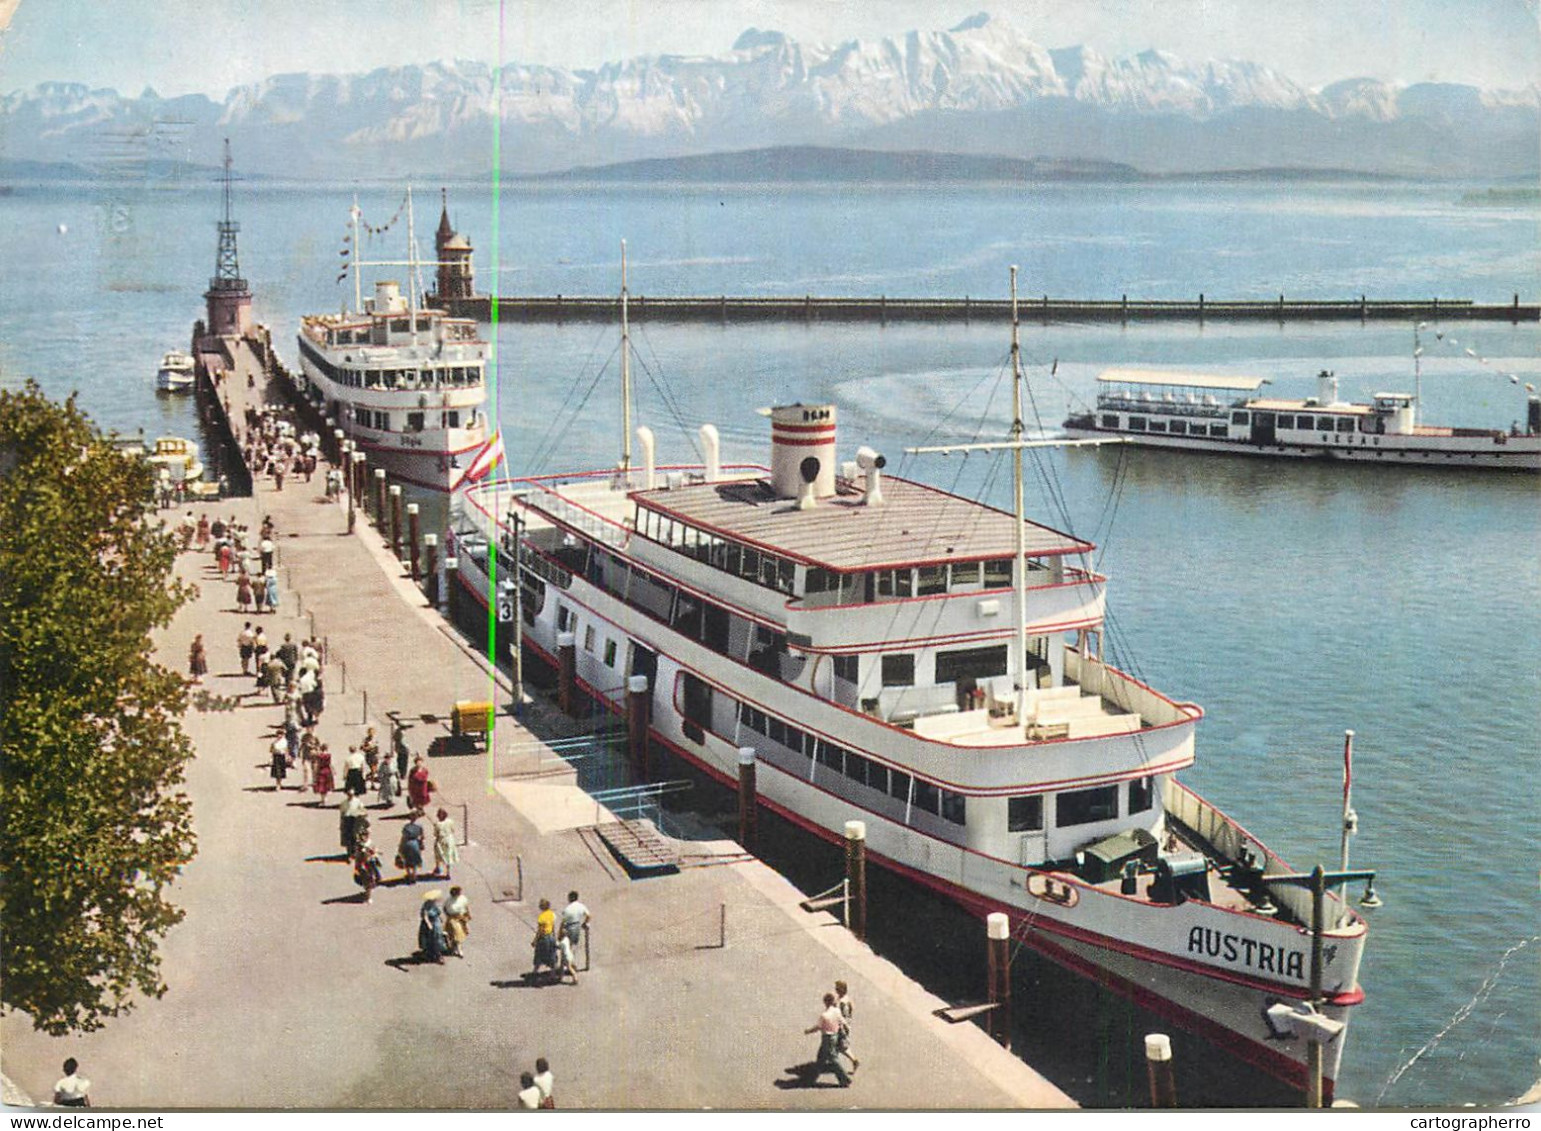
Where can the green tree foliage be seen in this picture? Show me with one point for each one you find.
(92, 754)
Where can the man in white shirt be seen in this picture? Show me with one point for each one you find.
(828, 1029)
(71, 1091)
(544, 1081)
(575, 917)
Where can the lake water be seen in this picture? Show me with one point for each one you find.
(1292, 602)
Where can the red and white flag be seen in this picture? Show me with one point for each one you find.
(487, 457)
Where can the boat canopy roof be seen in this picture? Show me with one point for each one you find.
(1179, 380)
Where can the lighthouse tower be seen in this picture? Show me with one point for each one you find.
(454, 256)
(228, 301)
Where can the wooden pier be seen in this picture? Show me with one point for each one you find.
(1043, 308)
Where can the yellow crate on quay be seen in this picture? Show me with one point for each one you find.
(471, 717)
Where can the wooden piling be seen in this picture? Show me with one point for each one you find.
(638, 702)
(567, 673)
(380, 511)
(998, 975)
(1158, 1063)
(856, 876)
(394, 491)
(414, 536)
(431, 568)
(747, 801)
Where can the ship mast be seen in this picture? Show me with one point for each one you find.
(412, 279)
(1020, 507)
(1417, 377)
(358, 294)
(625, 370)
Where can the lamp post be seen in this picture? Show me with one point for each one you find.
(1316, 1028)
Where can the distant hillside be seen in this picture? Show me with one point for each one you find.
(808, 163)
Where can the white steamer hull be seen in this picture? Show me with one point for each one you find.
(1159, 955)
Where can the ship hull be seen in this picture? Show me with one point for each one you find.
(1155, 955)
(1498, 452)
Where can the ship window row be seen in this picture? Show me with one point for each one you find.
(1317, 423)
(780, 574)
(448, 376)
(1209, 405)
(893, 783)
(1079, 806)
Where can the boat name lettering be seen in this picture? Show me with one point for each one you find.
(411, 441)
(1260, 956)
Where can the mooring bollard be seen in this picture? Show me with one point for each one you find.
(395, 496)
(413, 537)
(380, 511)
(998, 975)
(856, 876)
(1158, 1061)
(746, 797)
(637, 704)
(567, 673)
(431, 568)
(451, 584)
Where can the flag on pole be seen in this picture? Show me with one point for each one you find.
(487, 457)
(1348, 763)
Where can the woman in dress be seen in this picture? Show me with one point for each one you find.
(325, 783)
(544, 943)
(457, 919)
(278, 767)
(353, 772)
(446, 844)
(197, 659)
(243, 591)
(409, 853)
(270, 595)
(352, 824)
(419, 788)
(430, 928)
(390, 784)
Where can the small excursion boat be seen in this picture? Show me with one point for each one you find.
(1202, 413)
(175, 374)
(177, 459)
(932, 666)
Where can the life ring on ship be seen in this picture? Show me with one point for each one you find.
(1041, 886)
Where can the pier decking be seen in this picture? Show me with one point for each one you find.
(286, 991)
(1044, 308)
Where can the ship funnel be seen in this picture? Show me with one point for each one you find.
(872, 463)
(711, 450)
(647, 444)
(1327, 388)
(803, 438)
(388, 298)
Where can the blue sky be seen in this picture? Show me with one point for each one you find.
(179, 46)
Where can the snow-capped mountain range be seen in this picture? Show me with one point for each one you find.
(983, 87)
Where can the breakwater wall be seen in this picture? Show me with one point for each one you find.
(1043, 308)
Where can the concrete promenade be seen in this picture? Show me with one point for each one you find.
(286, 991)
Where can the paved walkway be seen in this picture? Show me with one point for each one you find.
(287, 992)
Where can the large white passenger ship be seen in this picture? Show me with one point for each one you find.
(1197, 412)
(405, 382)
(932, 666)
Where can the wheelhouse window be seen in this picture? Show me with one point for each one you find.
(970, 664)
(846, 668)
(998, 573)
(1141, 792)
(1024, 814)
(1085, 806)
(1239, 418)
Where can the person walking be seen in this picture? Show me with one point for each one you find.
(399, 746)
(847, 1011)
(273, 678)
(224, 555)
(430, 928)
(353, 773)
(575, 917)
(244, 645)
(544, 942)
(352, 824)
(545, 1082)
(305, 688)
(289, 653)
(270, 593)
(366, 867)
(278, 766)
(446, 843)
(370, 749)
(389, 783)
(457, 919)
(259, 651)
(197, 659)
(325, 783)
(243, 594)
(419, 788)
(259, 594)
(828, 1029)
(409, 852)
(529, 1094)
(203, 532)
(266, 550)
(71, 1091)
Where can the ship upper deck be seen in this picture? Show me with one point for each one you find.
(913, 525)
